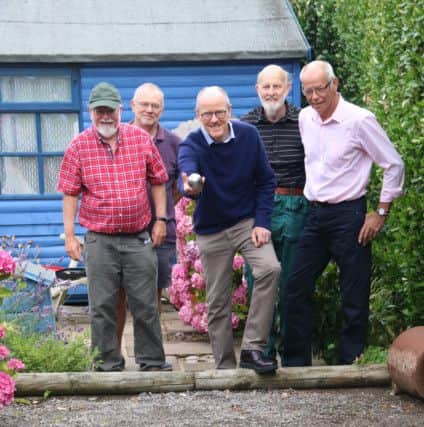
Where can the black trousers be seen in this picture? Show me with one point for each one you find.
(331, 231)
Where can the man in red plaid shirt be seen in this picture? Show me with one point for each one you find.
(109, 165)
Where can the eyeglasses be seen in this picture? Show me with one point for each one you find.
(320, 90)
(219, 114)
(146, 105)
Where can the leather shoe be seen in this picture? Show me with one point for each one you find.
(165, 366)
(254, 359)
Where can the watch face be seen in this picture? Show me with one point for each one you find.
(381, 211)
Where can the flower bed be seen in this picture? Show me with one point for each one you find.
(8, 366)
(188, 290)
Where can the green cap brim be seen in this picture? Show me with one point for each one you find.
(110, 104)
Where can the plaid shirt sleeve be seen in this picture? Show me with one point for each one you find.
(70, 172)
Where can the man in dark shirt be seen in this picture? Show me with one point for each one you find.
(277, 122)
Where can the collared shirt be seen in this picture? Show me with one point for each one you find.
(340, 151)
(113, 187)
(210, 140)
(167, 144)
(283, 145)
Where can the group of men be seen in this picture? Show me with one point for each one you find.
(284, 188)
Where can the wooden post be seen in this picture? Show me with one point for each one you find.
(75, 383)
(297, 378)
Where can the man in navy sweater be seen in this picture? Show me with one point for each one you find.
(232, 214)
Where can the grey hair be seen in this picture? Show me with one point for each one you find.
(212, 90)
(326, 66)
(150, 86)
(287, 76)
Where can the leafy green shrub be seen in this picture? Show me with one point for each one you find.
(46, 353)
(372, 355)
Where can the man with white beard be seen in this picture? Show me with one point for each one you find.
(109, 165)
(277, 123)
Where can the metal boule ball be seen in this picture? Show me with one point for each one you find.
(195, 181)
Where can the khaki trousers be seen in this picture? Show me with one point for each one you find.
(217, 251)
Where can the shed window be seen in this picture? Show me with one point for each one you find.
(39, 115)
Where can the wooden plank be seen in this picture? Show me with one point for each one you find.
(129, 382)
(298, 378)
(77, 383)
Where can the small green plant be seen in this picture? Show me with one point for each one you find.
(372, 355)
(47, 353)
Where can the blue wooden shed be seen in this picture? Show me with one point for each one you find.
(56, 51)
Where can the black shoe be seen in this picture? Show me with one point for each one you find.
(164, 367)
(117, 368)
(254, 359)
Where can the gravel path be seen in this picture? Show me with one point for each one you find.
(341, 407)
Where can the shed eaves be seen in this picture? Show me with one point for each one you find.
(160, 30)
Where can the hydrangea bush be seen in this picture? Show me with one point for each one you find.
(188, 289)
(8, 366)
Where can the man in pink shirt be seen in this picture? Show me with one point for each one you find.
(341, 142)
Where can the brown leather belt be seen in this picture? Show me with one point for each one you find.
(283, 191)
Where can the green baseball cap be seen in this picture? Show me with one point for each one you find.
(104, 95)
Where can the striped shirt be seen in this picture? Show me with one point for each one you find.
(283, 145)
(113, 185)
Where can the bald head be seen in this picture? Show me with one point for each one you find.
(318, 67)
(147, 90)
(212, 93)
(273, 71)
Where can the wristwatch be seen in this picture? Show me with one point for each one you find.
(163, 219)
(382, 212)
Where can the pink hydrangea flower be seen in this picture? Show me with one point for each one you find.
(4, 352)
(198, 281)
(186, 314)
(2, 333)
(191, 251)
(240, 295)
(7, 389)
(198, 266)
(184, 226)
(238, 262)
(15, 364)
(234, 320)
(201, 308)
(179, 271)
(200, 323)
(7, 263)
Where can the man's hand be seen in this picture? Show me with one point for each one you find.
(189, 190)
(73, 248)
(260, 236)
(372, 226)
(158, 233)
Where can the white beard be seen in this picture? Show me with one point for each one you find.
(107, 130)
(272, 107)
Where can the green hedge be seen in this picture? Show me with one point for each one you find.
(376, 48)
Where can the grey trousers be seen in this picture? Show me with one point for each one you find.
(128, 261)
(217, 251)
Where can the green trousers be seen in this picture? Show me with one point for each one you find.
(288, 219)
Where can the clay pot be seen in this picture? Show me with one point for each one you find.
(406, 362)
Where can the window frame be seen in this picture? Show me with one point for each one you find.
(39, 108)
